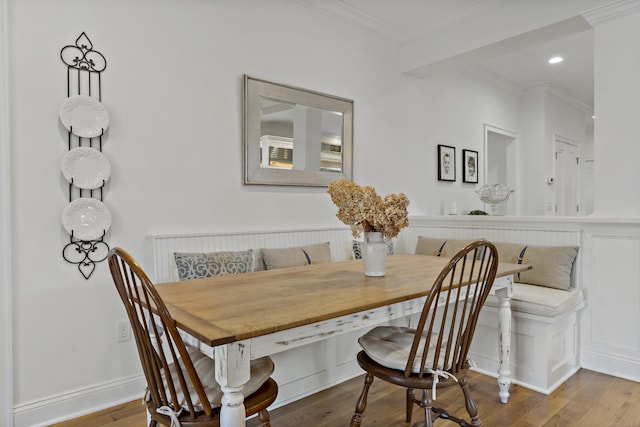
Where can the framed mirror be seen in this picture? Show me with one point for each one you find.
(295, 136)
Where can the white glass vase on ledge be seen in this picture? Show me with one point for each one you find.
(374, 254)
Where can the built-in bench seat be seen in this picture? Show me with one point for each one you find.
(544, 321)
(544, 306)
(540, 301)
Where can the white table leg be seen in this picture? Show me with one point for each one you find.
(232, 371)
(504, 338)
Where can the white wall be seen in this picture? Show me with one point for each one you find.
(173, 89)
(449, 109)
(616, 131)
(531, 156)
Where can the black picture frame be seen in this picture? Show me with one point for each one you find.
(446, 163)
(470, 166)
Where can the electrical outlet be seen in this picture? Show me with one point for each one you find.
(123, 331)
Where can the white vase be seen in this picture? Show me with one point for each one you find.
(374, 254)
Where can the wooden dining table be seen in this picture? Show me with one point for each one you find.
(241, 317)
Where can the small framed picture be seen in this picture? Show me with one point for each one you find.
(446, 163)
(470, 166)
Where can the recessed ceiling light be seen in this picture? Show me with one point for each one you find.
(556, 60)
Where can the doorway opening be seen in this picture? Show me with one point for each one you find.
(566, 183)
(501, 164)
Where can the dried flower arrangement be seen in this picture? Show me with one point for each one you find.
(364, 210)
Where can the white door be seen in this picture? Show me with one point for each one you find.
(567, 178)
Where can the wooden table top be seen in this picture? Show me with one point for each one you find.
(220, 310)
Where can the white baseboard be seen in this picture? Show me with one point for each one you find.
(72, 405)
(607, 363)
(513, 381)
(80, 402)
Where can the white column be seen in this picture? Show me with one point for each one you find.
(617, 109)
(307, 134)
(6, 385)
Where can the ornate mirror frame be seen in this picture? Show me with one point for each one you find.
(254, 91)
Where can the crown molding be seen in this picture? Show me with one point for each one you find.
(611, 11)
(554, 91)
(350, 14)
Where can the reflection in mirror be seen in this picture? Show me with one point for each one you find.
(282, 123)
(295, 136)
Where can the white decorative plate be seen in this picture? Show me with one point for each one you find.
(84, 116)
(86, 168)
(86, 218)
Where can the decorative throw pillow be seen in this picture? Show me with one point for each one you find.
(198, 265)
(510, 252)
(440, 247)
(551, 265)
(357, 248)
(293, 257)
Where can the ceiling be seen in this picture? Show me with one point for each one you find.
(528, 68)
(406, 21)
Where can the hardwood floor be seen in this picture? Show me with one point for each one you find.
(586, 399)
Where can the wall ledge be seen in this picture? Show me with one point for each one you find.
(526, 222)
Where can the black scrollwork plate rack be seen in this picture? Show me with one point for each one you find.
(84, 68)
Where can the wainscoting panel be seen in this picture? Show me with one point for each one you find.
(616, 253)
(490, 229)
(610, 335)
(159, 251)
(299, 370)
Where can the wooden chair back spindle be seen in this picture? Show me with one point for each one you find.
(440, 343)
(157, 338)
(464, 285)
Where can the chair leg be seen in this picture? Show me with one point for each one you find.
(410, 401)
(427, 404)
(264, 417)
(356, 420)
(470, 404)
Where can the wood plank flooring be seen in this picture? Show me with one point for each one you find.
(586, 399)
